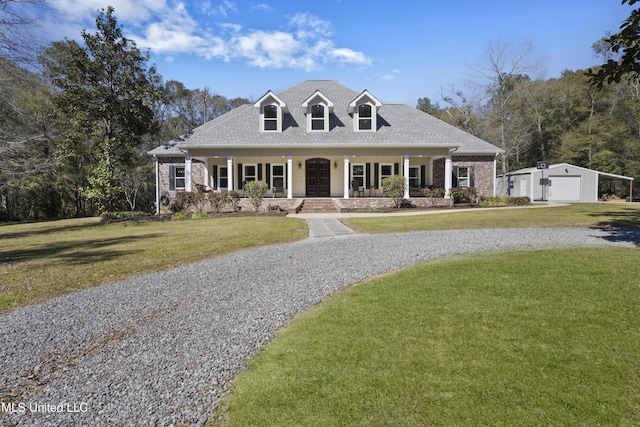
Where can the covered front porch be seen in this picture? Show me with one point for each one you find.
(305, 174)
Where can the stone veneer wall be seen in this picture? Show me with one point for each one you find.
(347, 205)
(482, 172)
(198, 171)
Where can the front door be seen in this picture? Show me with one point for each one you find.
(318, 177)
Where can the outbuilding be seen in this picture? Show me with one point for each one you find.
(564, 182)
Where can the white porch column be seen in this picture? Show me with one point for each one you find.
(230, 186)
(346, 177)
(448, 169)
(157, 185)
(289, 177)
(187, 173)
(431, 171)
(405, 172)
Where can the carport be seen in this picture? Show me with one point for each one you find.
(565, 182)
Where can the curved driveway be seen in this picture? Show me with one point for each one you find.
(160, 349)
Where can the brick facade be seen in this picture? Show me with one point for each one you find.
(482, 172)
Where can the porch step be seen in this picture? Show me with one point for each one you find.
(318, 206)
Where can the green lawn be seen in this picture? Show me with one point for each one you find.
(576, 215)
(516, 339)
(43, 260)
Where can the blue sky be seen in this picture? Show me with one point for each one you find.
(400, 51)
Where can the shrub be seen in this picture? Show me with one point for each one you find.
(234, 199)
(435, 193)
(493, 202)
(218, 201)
(255, 191)
(393, 187)
(519, 201)
(464, 195)
(199, 215)
(177, 216)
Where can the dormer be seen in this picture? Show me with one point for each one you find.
(318, 109)
(364, 110)
(272, 111)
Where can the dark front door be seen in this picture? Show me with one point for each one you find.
(318, 177)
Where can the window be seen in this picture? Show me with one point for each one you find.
(250, 172)
(180, 177)
(270, 118)
(318, 118)
(365, 117)
(223, 177)
(358, 174)
(414, 177)
(277, 174)
(386, 170)
(464, 176)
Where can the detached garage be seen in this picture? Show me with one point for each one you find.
(563, 182)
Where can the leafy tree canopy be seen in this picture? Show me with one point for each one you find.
(624, 47)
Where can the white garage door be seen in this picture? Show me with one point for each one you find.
(565, 188)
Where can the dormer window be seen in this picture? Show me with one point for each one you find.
(270, 118)
(365, 118)
(318, 117)
(319, 109)
(272, 111)
(365, 112)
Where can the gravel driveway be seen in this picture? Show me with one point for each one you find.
(161, 349)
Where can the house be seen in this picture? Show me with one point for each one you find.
(564, 182)
(318, 139)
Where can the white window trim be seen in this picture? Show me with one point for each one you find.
(278, 118)
(468, 178)
(176, 178)
(244, 171)
(310, 118)
(380, 176)
(284, 172)
(364, 173)
(220, 177)
(418, 177)
(374, 115)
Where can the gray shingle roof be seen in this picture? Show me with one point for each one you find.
(398, 125)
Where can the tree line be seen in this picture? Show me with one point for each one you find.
(76, 120)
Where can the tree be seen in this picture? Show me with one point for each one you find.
(624, 51)
(107, 92)
(504, 73)
(425, 105)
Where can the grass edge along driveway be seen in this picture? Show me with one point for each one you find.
(476, 340)
(40, 261)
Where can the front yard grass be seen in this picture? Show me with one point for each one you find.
(44, 260)
(545, 337)
(616, 215)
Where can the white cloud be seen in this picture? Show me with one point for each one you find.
(167, 27)
(262, 7)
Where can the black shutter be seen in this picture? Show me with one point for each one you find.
(259, 178)
(239, 186)
(376, 174)
(268, 165)
(396, 168)
(286, 172)
(423, 176)
(214, 172)
(368, 175)
(172, 177)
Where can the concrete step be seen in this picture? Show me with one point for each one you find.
(318, 206)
